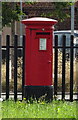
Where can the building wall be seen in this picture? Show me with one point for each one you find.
(6, 31)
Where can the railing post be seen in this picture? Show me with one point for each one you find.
(0, 65)
(15, 66)
(23, 66)
(7, 65)
(63, 67)
(71, 68)
(56, 66)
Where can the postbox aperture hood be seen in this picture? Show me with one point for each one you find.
(39, 20)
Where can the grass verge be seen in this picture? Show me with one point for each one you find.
(55, 109)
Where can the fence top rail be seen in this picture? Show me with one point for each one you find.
(53, 46)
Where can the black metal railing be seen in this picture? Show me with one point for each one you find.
(15, 48)
(63, 48)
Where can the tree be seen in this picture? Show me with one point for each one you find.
(10, 12)
(59, 11)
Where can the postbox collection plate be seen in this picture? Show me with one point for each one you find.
(42, 44)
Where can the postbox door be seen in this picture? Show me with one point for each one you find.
(41, 58)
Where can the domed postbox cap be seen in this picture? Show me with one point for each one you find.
(39, 20)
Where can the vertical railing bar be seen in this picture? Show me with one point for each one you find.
(63, 67)
(15, 66)
(56, 66)
(71, 68)
(0, 64)
(7, 65)
(23, 66)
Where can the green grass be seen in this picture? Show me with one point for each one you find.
(55, 109)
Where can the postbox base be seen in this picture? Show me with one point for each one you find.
(42, 92)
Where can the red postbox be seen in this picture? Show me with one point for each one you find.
(38, 57)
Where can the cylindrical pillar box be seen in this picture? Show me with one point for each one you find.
(39, 57)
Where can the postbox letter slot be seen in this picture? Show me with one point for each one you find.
(42, 43)
(43, 33)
